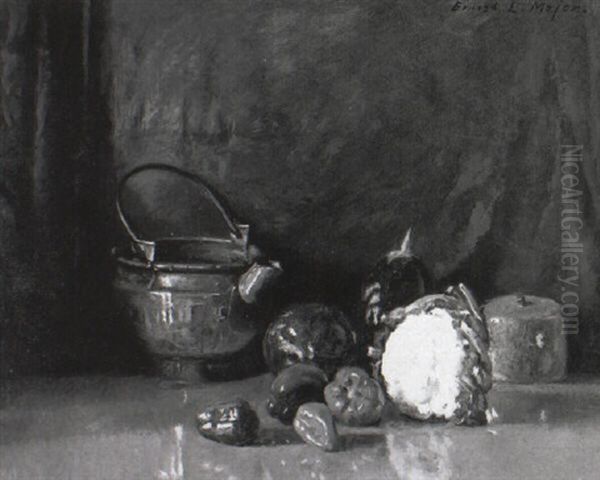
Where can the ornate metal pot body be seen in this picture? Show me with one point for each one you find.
(182, 295)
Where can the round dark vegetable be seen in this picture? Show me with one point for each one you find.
(233, 423)
(294, 386)
(310, 333)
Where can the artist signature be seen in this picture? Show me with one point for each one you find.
(552, 9)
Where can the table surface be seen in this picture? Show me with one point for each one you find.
(138, 428)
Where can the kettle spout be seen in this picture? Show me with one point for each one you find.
(258, 279)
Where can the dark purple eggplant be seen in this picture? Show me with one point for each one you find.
(397, 280)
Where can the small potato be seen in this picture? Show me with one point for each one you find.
(315, 424)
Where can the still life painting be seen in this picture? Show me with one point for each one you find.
(285, 239)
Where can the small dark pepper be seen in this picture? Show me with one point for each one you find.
(354, 397)
(233, 423)
(315, 424)
(294, 386)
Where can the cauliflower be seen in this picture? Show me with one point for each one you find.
(435, 362)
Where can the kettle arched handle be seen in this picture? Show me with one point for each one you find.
(233, 227)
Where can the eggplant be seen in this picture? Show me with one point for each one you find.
(398, 279)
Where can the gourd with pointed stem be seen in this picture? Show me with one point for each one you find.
(398, 279)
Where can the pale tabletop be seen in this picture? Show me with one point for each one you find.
(136, 428)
